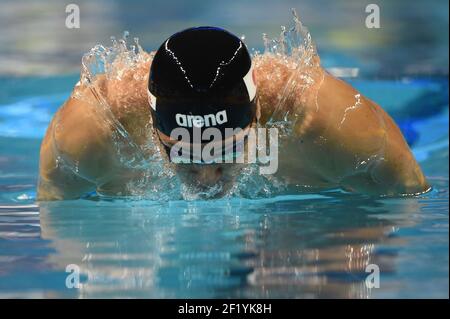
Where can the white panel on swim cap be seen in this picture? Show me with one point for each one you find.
(151, 100)
(250, 84)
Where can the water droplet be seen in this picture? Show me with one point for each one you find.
(113, 40)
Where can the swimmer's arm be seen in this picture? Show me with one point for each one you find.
(334, 134)
(355, 143)
(56, 181)
(84, 137)
(76, 153)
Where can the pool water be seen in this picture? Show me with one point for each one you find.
(287, 246)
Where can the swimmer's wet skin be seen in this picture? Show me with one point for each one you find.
(339, 137)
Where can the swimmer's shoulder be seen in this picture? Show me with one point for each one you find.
(82, 127)
(76, 152)
(127, 97)
(278, 80)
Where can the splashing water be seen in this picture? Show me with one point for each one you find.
(157, 180)
(294, 43)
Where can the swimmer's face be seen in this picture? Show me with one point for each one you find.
(218, 176)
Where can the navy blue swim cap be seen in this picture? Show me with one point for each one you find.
(202, 77)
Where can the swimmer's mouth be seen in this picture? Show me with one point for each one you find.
(220, 186)
(215, 191)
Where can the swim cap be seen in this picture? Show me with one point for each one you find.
(199, 78)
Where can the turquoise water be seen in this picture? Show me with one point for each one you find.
(287, 246)
(291, 245)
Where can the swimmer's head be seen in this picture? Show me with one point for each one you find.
(202, 91)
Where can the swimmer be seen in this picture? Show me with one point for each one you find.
(205, 77)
